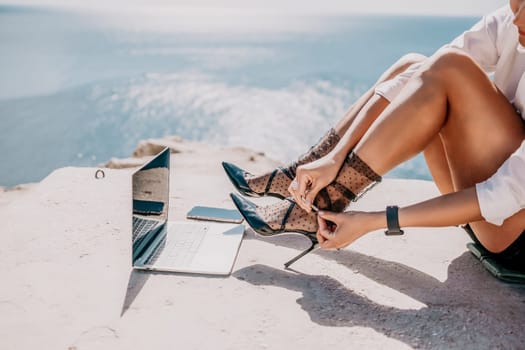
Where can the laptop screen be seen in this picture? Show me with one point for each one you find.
(150, 188)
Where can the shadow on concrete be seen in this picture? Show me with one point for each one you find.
(137, 280)
(470, 310)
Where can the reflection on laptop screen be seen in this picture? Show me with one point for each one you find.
(150, 201)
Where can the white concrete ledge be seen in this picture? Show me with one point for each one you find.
(66, 280)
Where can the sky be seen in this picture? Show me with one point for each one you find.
(425, 7)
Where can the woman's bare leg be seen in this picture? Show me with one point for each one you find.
(366, 109)
(450, 97)
(437, 162)
(359, 116)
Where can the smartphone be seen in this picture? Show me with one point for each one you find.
(215, 214)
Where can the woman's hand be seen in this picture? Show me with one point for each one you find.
(338, 230)
(311, 178)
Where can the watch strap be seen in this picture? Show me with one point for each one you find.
(392, 221)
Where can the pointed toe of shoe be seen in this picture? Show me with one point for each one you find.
(248, 211)
(237, 177)
(244, 205)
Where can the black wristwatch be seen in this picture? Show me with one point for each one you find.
(392, 221)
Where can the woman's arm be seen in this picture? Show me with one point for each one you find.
(503, 194)
(446, 210)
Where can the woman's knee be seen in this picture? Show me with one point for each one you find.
(449, 63)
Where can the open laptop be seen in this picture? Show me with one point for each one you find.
(177, 246)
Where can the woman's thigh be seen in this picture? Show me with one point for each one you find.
(482, 130)
(437, 162)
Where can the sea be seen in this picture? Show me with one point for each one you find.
(78, 87)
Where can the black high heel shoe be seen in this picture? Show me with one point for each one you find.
(239, 177)
(248, 211)
(276, 183)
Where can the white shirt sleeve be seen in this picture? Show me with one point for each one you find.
(391, 88)
(479, 42)
(503, 194)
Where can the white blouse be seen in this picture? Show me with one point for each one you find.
(493, 44)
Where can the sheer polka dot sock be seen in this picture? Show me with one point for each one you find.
(286, 215)
(319, 150)
(274, 183)
(354, 177)
(278, 181)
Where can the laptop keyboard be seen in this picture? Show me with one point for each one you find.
(141, 227)
(181, 245)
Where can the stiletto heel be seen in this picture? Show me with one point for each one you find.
(314, 245)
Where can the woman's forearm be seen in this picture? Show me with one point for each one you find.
(447, 210)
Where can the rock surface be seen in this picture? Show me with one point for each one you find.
(67, 282)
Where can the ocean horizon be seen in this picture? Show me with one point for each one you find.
(81, 87)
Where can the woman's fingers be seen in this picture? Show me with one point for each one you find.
(328, 229)
(304, 183)
(329, 245)
(299, 190)
(330, 216)
(338, 230)
(294, 188)
(311, 194)
(320, 239)
(326, 233)
(323, 226)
